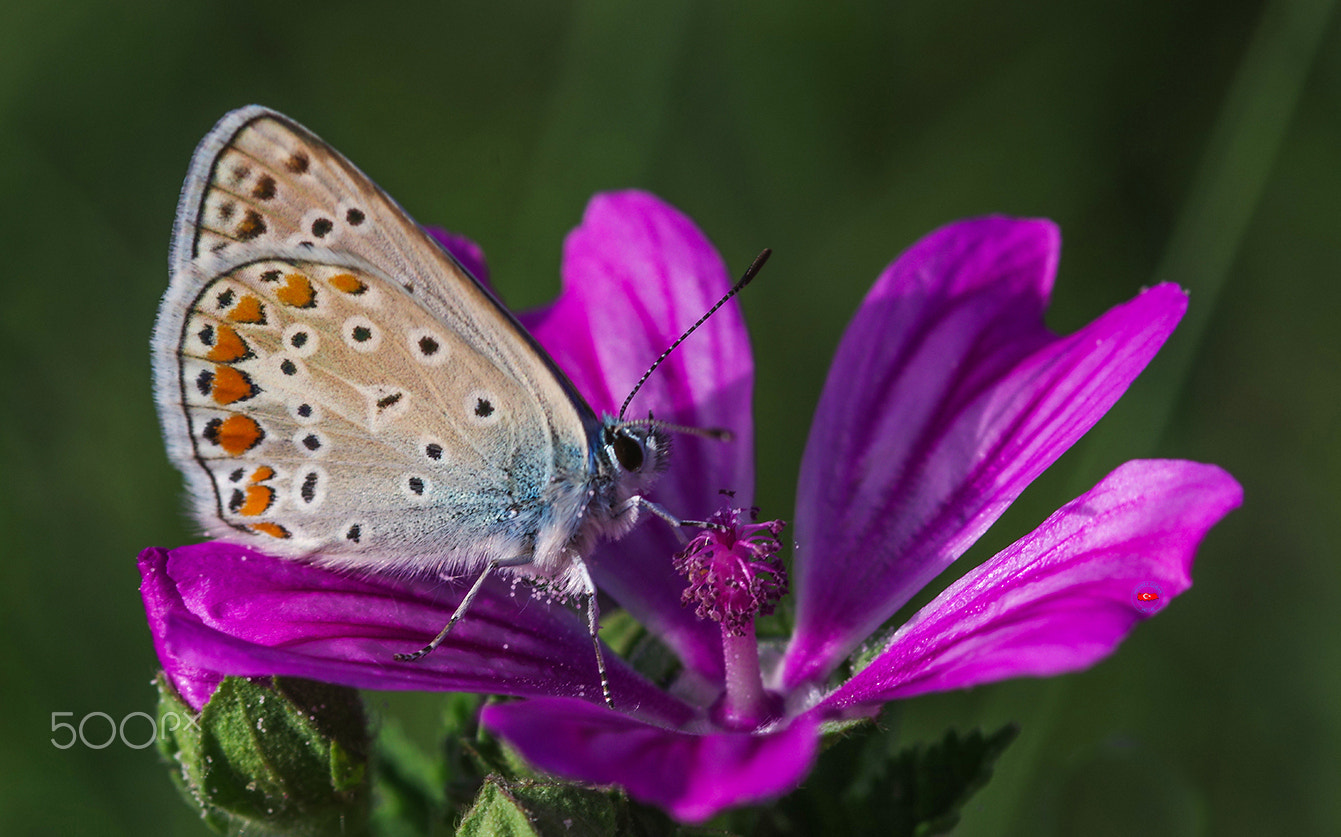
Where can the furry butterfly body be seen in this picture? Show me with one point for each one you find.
(336, 387)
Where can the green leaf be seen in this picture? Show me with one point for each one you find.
(279, 756)
(554, 808)
(863, 785)
(495, 814)
(948, 774)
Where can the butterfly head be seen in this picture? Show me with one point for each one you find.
(636, 451)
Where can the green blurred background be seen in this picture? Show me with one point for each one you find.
(1197, 142)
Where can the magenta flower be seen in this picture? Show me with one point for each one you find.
(946, 398)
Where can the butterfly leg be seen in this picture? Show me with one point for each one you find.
(461, 609)
(660, 511)
(594, 627)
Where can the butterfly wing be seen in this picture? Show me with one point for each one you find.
(332, 382)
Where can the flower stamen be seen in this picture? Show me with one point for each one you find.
(734, 575)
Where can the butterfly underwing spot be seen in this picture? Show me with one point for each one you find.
(289, 368)
(361, 335)
(236, 434)
(386, 404)
(348, 283)
(312, 489)
(225, 298)
(205, 381)
(317, 225)
(415, 488)
(230, 386)
(481, 407)
(354, 217)
(238, 175)
(274, 530)
(311, 442)
(433, 450)
(271, 275)
(264, 189)
(237, 474)
(261, 474)
(297, 291)
(250, 227)
(221, 211)
(427, 346)
(305, 412)
(354, 533)
(226, 345)
(298, 162)
(300, 339)
(253, 501)
(248, 311)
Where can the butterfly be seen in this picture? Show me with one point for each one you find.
(336, 387)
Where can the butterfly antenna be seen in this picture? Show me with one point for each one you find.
(750, 273)
(718, 434)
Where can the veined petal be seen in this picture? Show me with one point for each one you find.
(1062, 597)
(691, 776)
(636, 274)
(946, 398)
(220, 608)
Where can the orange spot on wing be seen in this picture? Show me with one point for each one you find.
(236, 434)
(349, 283)
(248, 310)
(298, 292)
(259, 498)
(228, 346)
(262, 473)
(274, 530)
(231, 386)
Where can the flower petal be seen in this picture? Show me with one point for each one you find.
(1062, 597)
(162, 601)
(691, 776)
(220, 608)
(636, 274)
(946, 398)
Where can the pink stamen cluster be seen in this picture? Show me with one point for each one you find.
(733, 570)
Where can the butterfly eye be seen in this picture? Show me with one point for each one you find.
(629, 452)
